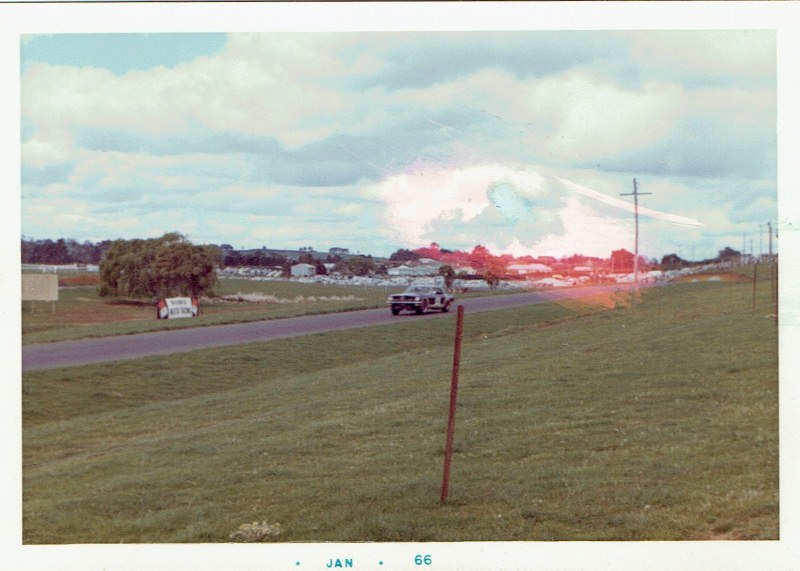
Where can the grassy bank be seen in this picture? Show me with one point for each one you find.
(573, 423)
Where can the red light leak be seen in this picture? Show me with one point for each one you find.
(481, 262)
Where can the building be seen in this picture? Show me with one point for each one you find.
(621, 261)
(424, 267)
(533, 270)
(402, 270)
(303, 270)
(464, 270)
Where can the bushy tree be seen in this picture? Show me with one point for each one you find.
(494, 270)
(671, 262)
(307, 258)
(729, 255)
(449, 275)
(158, 267)
(361, 265)
(404, 255)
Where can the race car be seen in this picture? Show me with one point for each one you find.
(420, 298)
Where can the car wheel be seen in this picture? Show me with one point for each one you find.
(395, 310)
(446, 307)
(422, 307)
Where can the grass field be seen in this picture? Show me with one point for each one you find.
(573, 423)
(81, 313)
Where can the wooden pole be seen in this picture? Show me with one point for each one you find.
(636, 195)
(755, 277)
(451, 419)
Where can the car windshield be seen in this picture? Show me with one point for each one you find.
(417, 289)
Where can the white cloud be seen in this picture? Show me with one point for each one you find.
(53, 148)
(744, 56)
(415, 199)
(344, 110)
(254, 94)
(592, 118)
(585, 232)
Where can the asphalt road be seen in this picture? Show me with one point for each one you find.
(89, 351)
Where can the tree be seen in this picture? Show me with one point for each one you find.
(448, 274)
(477, 258)
(361, 265)
(672, 262)
(492, 279)
(494, 270)
(404, 255)
(306, 258)
(729, 255)
(158, 267)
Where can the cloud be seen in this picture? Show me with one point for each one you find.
(398, 139)
(616, 202)
(744, 58)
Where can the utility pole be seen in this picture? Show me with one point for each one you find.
(636, 195)
(744, 247)
(769, 225)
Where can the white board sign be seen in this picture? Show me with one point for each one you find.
(177, 307)
(39, 287)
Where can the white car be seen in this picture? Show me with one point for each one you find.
(420, 298)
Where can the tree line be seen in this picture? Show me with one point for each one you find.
(62, 251)
(172, 266)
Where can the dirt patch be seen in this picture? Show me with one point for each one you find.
(74, 281)
(603, 300)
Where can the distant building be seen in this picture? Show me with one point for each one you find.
(339, 251)
(303, 270)
(621, 261)
(582, 271)
(464, 270)
(529, 270)
(402, 270)
(425, 267)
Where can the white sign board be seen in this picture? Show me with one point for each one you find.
(39, 287)
(177, 307)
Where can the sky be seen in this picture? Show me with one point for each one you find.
(526, 142)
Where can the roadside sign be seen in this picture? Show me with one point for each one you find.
(177, 307)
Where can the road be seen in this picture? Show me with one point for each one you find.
(90, 351)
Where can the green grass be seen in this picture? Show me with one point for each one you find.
(81, 313)
(657, 423)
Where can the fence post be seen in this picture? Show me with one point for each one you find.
(451, 419)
